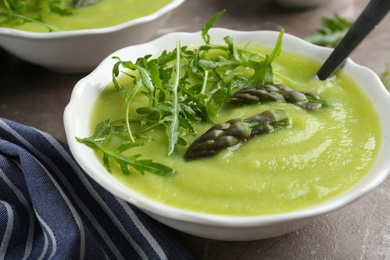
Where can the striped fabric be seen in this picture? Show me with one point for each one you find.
(50, 209)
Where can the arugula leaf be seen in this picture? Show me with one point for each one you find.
(18, 10)
(263, 72)
(216, 100)
(331, 33)
(174, 117)
(221, 62)
(140, 165)
(232, 48)
(115, 73)
(21, 19)
(209, 24)
(103, 133)
(58, 7)
(195, 105)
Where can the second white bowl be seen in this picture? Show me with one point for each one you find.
(82, 50)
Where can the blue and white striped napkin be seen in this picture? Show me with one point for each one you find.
(50, 209)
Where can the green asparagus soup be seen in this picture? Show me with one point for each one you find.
(102, 13)
(321, 154)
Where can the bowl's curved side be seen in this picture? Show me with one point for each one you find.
(87, 90)
(233, 233)
(78, 53)
(82, 50)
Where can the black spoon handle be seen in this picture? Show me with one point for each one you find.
(368, 19)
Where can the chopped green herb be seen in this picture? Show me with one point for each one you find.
(103, 133)
(209, 24)
(276, 92)
(18, 11)
(332, 32)
(21, 19)
(174, 102)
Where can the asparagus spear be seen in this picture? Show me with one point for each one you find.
(222, 136)
(275, 92)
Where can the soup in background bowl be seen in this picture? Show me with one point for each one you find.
(81, 45)
(230, 225)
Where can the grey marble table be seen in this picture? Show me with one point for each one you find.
(36, 96)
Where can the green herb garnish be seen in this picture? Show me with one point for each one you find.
(103, 133)
(332, 32)
(173, 102)
(19, 11)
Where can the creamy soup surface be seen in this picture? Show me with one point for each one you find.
(103, 13)
(324, 153)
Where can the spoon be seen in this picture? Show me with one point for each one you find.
(368, 19)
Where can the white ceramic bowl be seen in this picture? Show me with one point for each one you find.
(76, 119)
(82, 50)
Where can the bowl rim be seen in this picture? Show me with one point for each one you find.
(103, 30)
(341, 200)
